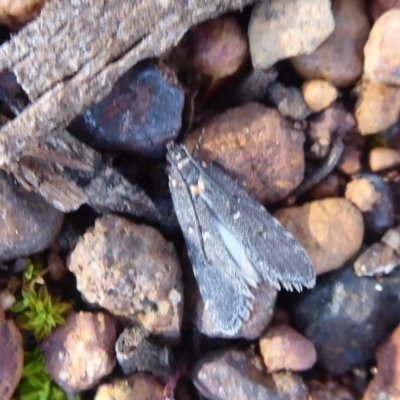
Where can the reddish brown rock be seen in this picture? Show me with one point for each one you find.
(331, 230)
(137, 386)
(81, 352)
(350, 161)
(131, 271)
(339, 60)
(233, 374)
(281, 30)
(28, 224)
(283, 348)
(255, 146)
(11, 356)
(382, 53)
(15, 14)
(330, 390)
(377, 108)
(328, 187)
(217, 47)
(378, 7)
(318, 94)
(381, 158)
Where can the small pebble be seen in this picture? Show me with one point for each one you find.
(350, 161)
(278, 30)
(81, 352)
(381, 158)
(328, 187)
(131, 271)
(11, 356)
(392, 239)
(339, 60)
(381, 52)
(318, 94)
(234, 374)
(363, 194)
(217, 47)
(257, 147)
(139, 386)
(377, 107)
(28, 224)
(331, 231)
(288, 100)
(283, 348)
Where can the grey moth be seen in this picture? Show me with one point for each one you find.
(232, 241)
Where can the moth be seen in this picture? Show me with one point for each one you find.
(232, 241)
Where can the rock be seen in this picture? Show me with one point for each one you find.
(392, 239)
(376, 259)
(331, 231)
(56, 267)
(234, 374)
(137, 386)
(381, 52)
(11, 356)
(334, 119)
(284, 348)
(15, 14)
(377, 107)
(254, 85)
(373, 196)
(260, 316)
(346, 316)
(350, 161)
(328, 187)
(281, 30)
(339, 60)
(81, 352)
(28, 224)
(386, 383)
(328, 391)
(217, 47)
(142, 113)
(378, 7)
(131, 271)
(288, 100)
(318, 94)
(255, 146)
(138, 353)
(381, 158)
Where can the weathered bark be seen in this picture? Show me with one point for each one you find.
(74, 52)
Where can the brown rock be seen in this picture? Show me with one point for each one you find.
(281, 30)
(330, 390)
(339, 60)
(328, 187)
(381, 158)
(217, 47)
(81, 352)
(15, 14)
(350, 161)
(284, 348)
(331, 230)
(28, 224)
(11, 356)
(334, 119)
(363, 194)
(257, 147)
(319, 94)
(378, 7)
(137, 386)
(131, 271)
(377, 107)
(382, 53)
(233, 374)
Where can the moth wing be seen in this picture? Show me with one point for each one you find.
(273, 250)
(225, 294)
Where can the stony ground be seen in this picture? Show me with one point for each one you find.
(298, 101)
